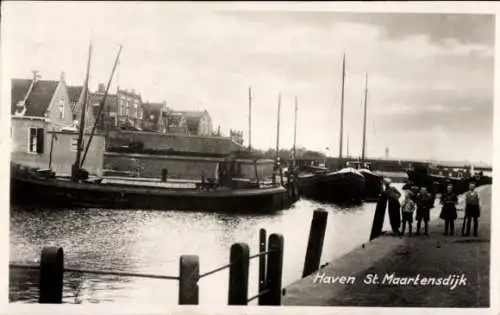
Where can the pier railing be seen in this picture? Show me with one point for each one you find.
(270, 255)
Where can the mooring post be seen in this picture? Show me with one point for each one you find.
(188, 280)
(315, 243)
(238, 274)
(262, 263)
(51, 275)
(378, 217)
(274, 270)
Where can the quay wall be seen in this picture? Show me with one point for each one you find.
(151, 166)
(173, 142)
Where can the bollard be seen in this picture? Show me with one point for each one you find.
(378, 217)
(274, 270)
(238, 274)
(262, 263)
(51, 275)
(188, 280)
(315, 244)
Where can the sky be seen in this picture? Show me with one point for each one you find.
(430, 76)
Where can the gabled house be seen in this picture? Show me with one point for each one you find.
(75, 94)
(36, 107)
(43, 132)
(199, 123)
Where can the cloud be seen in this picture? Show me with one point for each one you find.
(418, 66)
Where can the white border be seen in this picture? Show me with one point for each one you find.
(421, 7)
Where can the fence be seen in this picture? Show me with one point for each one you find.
(270, 257)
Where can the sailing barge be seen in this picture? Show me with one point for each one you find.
(46, 190)
(344, 186)
(42, 188)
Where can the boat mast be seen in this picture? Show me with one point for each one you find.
(342, 111)
(363, 149)
(101, 106)
(250, 118)
(278, 128)
(83, 107)
(347, 153)
(294, 150)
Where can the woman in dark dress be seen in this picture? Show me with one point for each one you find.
(449, 211)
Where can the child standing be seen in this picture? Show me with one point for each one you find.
(472, 210)
(407, 210)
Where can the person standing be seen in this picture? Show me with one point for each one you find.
(393, 196)
(449, 211)
(424, 205)
(472, 210)
(407, 210)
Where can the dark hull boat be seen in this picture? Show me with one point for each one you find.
(422, 176)
(346, 186)
(374, 185)
(33, 190)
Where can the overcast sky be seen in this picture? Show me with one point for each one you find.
(430, 92)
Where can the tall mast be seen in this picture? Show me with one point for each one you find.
(342, 110)
(83, 108)
(294, 151)
(103, 102)
(347, 149)
(363, 149)
(278, 128)
(250, 119)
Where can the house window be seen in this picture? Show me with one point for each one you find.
(74, 144)
(61, 109)
(35, 143)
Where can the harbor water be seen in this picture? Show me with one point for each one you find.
(152, 241)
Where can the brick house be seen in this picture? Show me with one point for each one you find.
(43, 133)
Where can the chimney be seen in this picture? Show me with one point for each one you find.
(36, 76)
(62, 76)
(101, 88)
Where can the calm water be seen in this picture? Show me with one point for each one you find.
(153, 241)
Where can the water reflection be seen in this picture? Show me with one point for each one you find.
(153, 241)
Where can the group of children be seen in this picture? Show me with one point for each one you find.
(423, 201)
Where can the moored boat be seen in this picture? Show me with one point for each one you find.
(37, 189)
(346, 186)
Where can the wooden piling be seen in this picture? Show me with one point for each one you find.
(262, 263)
(188, 280)
(274, 270)
(378, 217)
(315, 244)
(51, 275)
(238, 274)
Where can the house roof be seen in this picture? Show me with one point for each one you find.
(39, 99)
(74, 93)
